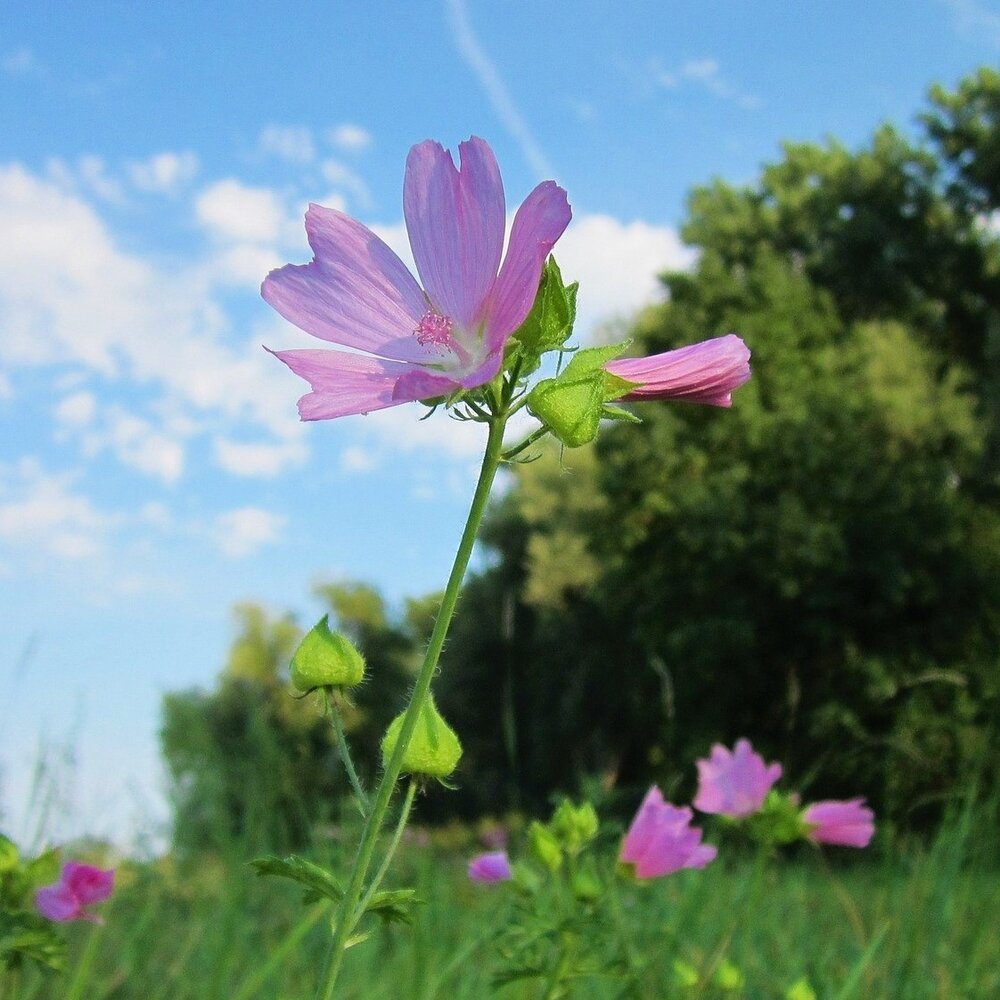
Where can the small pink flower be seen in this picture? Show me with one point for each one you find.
(734, 783)
(849, 823)
(404, 341)
(78, 887)
(700, 373)
(661, 840)
(491, 867)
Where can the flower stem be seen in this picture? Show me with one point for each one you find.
(345, 753)
(347, 912)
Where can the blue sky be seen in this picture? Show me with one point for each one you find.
(155, 161)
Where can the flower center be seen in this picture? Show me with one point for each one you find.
(435, 329)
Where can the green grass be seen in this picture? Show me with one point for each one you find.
(915, 925)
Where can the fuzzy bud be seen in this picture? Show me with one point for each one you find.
(434, 747)
(326, 659)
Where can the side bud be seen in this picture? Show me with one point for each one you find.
(434, 748)
(326, 659)
(575, 826)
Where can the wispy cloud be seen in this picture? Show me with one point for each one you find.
(707, 74)
(491, 81)
(349, 138)
(21, 62)
(975, 18)
(288, 142)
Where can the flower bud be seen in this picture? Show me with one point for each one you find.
(575, 826)
(326, 659)
(545, 846)
(434, 747)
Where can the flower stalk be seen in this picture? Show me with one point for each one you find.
(348, 913)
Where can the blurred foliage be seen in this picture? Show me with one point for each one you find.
(818, 568)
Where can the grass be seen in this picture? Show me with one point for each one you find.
(919, 924)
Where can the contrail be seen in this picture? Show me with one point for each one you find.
(479, 63)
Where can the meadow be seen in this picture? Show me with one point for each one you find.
(917, 921)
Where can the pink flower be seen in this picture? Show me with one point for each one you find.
(849, 823)
(491, 867)
(701, 373)
(418, 342)
(661, 839)
(734, 783)
(78, 887)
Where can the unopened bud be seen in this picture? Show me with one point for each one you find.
(434, 747)
(326, 659)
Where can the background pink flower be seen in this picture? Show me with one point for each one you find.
(850, 823)
(701, 373)
(79, 886)
(661, 840)
(734, 783)
(491, 867)
(418, 342)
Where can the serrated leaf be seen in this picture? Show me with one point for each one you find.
(320, 884)
(393, 905)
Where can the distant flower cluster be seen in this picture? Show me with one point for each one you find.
(737, 784)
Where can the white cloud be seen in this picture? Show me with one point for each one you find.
(39, 511)
(496, 90)
(265, 459)
(20, 62)
(707, 74)
(88, 174)
(617, 264)
(358, 459)
(243, 264)
(977, 20)
(77, 410)
(343, 177)
(288, 142)
(163, 172)
(70, 297)
(242, 532)
(350, 138)
(141, 446)
(231, 210)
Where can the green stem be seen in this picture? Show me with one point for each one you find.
(404, 815)
(346, 911)
(345, 753)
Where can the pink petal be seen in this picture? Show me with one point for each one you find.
(57, 902)
(455, 221)
(356, 292)
(643, 826)
(87, 883)
(700, 373)
(345, 384)
(540, 221)
(491, 867)
(850, 823)
(735, 783)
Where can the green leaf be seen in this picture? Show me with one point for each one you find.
(319, 882)
(393, 905)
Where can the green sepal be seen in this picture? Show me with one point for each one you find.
(319, 883)
(778, 821)
(572, 404)
(549, 324)
(609, 412)
(326, 659)
(434, 748)
(393, 905)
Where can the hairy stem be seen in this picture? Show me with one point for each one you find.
(347, 911)
(345, 753)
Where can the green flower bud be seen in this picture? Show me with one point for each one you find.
(728, 976)
(326, 659)
(575, 826)
(585, 884)
(545, 846)
(434, 747)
